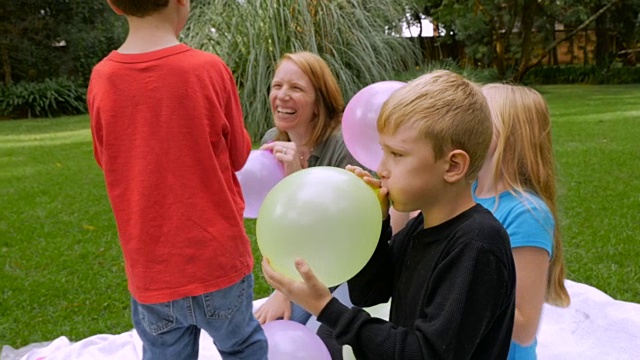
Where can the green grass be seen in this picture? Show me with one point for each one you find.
(61, 270)
(596, 131)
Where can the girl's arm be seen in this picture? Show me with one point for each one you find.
(532, 265)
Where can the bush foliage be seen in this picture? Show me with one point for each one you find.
(576, 74)
(48, 98)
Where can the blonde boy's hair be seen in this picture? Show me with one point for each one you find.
(328, 95)
(445, 109)
(139, 8)
(525, 163)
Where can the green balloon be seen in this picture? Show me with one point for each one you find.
(325, 215)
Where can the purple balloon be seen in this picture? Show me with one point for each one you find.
(359, 122)
(259, 175)
(291, 340)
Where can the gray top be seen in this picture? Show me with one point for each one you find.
(332, 152)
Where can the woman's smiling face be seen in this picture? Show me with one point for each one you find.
(292, 98)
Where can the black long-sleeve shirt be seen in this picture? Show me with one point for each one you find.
(452, 290)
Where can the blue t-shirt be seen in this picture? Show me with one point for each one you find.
(528, 222)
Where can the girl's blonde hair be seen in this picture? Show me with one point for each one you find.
(525, 163)
(328, 95)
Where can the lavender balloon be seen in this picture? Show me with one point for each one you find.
(290, 340)
(359, 122)
(258, 176)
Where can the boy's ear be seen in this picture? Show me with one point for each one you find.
(458, 166)
(114, 8)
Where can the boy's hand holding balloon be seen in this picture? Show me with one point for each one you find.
(309, 293)
(382, 192)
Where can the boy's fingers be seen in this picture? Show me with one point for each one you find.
(278, 281)
(358, 171)
(305, 271)
(371, 181)
(352, 168)
(269, 274)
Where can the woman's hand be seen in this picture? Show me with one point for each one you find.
(277, 306)
(383, 192)
(287, 153)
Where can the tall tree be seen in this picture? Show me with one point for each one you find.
(91, 32)
(30, 33)
(626, 27)
(530, 65)
(357, 38)
(52, 38)
(513, 35)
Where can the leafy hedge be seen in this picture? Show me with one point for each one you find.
(574, 74)
(48, 98)
(63, 96)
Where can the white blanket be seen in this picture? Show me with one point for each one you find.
(595, 326)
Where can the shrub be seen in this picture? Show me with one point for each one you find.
(576, 74)
(49, 98)
(479, 75)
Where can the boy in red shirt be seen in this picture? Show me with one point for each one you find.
(169, 135)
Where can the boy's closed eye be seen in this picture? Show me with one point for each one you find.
(392, 152)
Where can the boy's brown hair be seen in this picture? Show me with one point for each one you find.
(446, 109)
(139, 8)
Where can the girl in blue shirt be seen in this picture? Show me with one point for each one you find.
(517, 183)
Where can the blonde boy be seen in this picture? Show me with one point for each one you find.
(449, 273)
(169, 135)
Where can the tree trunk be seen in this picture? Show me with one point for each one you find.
(528, 17)
(628, 36)
(585, 49)
(551, 23)
(499, 60)
(6, 65)
(602, 52)
(572, 49)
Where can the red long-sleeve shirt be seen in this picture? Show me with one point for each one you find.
(169, 135)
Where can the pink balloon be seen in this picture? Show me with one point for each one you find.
(359, 128)
(291, 340)
(259, 175)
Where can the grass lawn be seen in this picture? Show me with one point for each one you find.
(61, 271)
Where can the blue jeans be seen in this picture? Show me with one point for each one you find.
(298, 314)
(171, 330)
